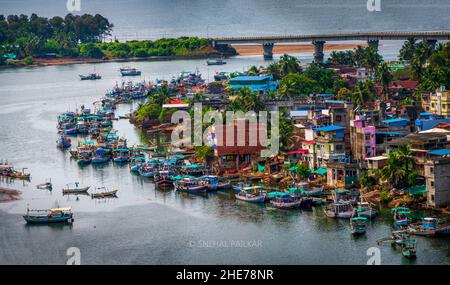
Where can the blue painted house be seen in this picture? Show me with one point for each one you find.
(255, 83)
(427, 121)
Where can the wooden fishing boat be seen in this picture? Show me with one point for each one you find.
(84, 157)
(215, 62)
(45, 186)
(91, 76)
(121, 155)
(104, 193)
(164, 178)
(190, 185)
(63, 142)
(75, 190)
(401, 217)
(213, 183)
(8, 171)
(407, 245)
(148, 169)
(129, 71)
(253, 194)
(358, 225)
(339, 210)
(55, 215)
(429, 227)
(100, 156)
(287, 202)
(364, 209)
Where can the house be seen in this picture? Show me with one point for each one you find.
(421, 145)
(437, 176)
(342, 174)
(244, 148)
(362, 138)
(376, 162)
(440, 102)
(329, 144)
(396, 125)
(427, 120)
(260, 84)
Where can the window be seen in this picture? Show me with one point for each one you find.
(432, 183)
(431, 169)
(432, 198)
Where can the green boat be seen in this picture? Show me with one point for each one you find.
(50, 216)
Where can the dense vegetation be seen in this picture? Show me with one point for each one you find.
(33, 36)
(82, 36)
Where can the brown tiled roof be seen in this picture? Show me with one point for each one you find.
(235, 149)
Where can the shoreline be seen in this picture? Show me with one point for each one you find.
(242, 50)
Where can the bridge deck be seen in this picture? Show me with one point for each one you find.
(437, 35)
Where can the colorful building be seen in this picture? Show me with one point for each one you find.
(255, 83)
(362, 138)
(440, 102)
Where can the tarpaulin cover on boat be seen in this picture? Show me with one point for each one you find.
(320, 171)
(416, 190)
(261, 167)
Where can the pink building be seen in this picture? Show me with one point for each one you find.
(362, 138)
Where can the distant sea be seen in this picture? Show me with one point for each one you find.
(151, 19)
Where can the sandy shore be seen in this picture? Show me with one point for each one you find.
(290, 48)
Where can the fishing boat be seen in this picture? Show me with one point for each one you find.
(252, 194)
(339, 210)
(213, 183)
(401, 217)
(364, 209)
(407, 245)
(102, 192)
(164, 178)
(129, 71)
(190, 185)
(303, 190)
(287, 202)
(148, 169)
(63, 142)
(91, 76)
(121, 155)
(215, 62)
(429, 227)
(84, 157)
(75, 189)
(8, 171)
(136, 163)
(358, 225)
(100, 156)
(47, 185)
(55, 215)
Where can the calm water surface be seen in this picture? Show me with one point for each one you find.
(144, 225)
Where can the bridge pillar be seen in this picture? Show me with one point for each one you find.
(374, 44)
(318, 51)
(268, 50)
(432, 43)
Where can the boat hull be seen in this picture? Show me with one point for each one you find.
(258, 199)
(48, 220)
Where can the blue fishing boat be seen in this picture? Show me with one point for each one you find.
(358, 225)
(213, 183)
(190, 185)
(101, 155)
(55, 215)
(71, 131)
(63, 142)
(430, 227)
(84, 157)
(401, 217)
(252, 194)
(287, 202)
(149, 169)
(121, 155)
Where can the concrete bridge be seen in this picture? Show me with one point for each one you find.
(372, 38)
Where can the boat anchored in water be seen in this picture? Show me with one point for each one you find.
(358, 225)
(91, 76)
(75, 189)
(129, 71)
(102, 192)
(54, 215)
(215, 62)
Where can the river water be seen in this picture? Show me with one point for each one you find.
(148, 226)
(144, 225)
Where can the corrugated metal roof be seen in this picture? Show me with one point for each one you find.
(330, 128)
(439, 152)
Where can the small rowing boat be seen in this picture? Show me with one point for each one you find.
(358, 225)
(104, 193)
(75, 190)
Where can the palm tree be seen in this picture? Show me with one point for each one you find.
(372, 59)
(407, 50)
(253, 71)
(274, 70)
(421, 55)
(359, 56)
(384, 77)
(289, 64)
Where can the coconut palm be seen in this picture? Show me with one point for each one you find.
(289, 64)
(420, 58)
(384, 78)
(407, 50)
